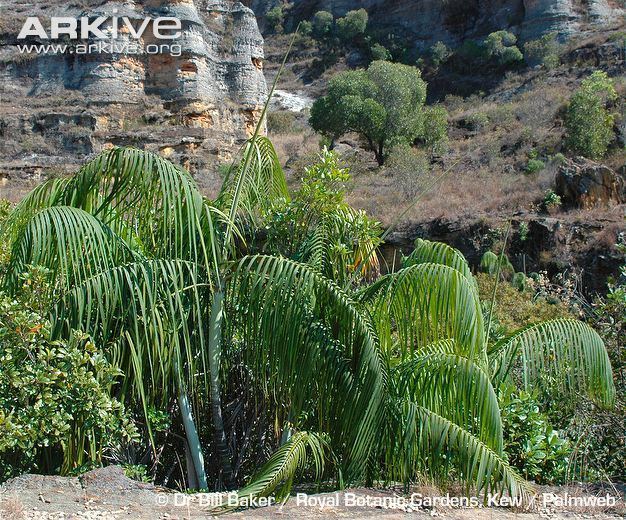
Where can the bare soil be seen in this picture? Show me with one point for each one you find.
(106, 494)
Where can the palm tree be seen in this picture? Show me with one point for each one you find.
(384, 381)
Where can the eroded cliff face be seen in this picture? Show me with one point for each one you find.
(452, 21)
(194, 103)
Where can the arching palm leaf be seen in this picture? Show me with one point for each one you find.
(568, 350)
(427, 303)
(456, 388)
(70, 242)
(304, 329)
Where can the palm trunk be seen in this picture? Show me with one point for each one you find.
(215, 350)
(193, 447)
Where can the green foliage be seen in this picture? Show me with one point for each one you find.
(551, 200)
(317, 226)
(322, 24)
(137, 472)
(352, 24)
(435, 133)
(306, 28)
(533, 446)
(589, 123)
(500, 46)
(385, 104)
(379, 52)
(397, 378)
(275, 18)
(440, 54)
(534, 166)
(545, 51)
(56, 412)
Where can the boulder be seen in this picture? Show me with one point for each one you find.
(585, 184)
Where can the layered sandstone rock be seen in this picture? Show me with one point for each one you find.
(197, 102)
(453, 21)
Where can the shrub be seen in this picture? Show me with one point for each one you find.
(439, 54)
(306, 28)
(353, 24)
(551, 200)
(478, 121)
(384, 104)
(501, 47)
(56, 414)
(436, 129)
(322, 24)
(534, 166)
(275, 17)
(589, 123)
(533, 446)
(545, 51)
(379, 52)
(407, 167)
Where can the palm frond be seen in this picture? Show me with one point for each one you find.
(252, 185)
(150, 315)
(304, 334)
(424, 303)
(476, 463)
(284, 463)
(70, 242)
(428, 252)
(456, 388)
(567, 350)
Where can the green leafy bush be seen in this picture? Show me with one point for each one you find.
(533, 446)
(544, 51)
(534, 166)
(439, 54)
(500, 46)
(305, 28)
(275, 17)
(352, 24)
(551, 200)
(435, 129)
(379, 52)
(589, 123)
(322, 24)
(56, 412)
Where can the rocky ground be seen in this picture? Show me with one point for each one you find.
(106, 494)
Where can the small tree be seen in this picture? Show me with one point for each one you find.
(384, 104)
(501, 46)
(275, 17)
(589, 123)
(439, 53)
(322, 24)
(379, 52)
(353, 24)
(435, 135)
(544, 51)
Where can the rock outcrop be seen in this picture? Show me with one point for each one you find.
(193, 101)
(585, 184)
(429, 21)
